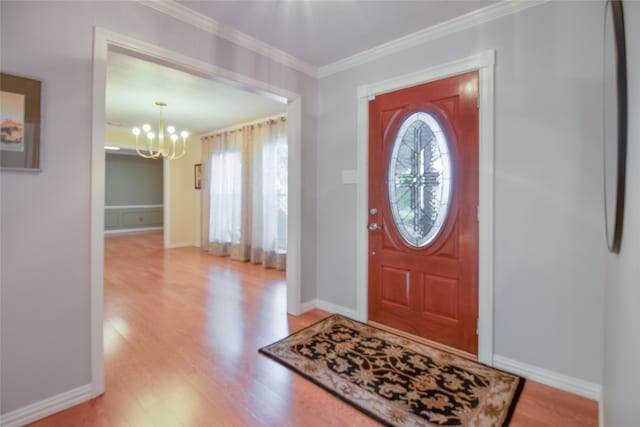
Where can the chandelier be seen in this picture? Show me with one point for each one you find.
(155, 146)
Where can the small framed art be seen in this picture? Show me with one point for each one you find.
(20, 123)
(197, 176)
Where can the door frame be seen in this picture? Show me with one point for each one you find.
(484, 63)
(105, 39)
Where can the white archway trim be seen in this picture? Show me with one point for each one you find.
(105, 39)
(484, 63)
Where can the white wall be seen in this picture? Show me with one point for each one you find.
(549, 253)
(622, 327)
(45, 217)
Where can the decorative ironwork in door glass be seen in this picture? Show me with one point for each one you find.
(420, 179)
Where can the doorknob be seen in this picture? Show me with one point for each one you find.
(374, 227)
(373, 211)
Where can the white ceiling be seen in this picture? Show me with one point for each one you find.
(322, 32)
(194, 103)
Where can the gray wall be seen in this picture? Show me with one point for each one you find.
(132, 180)
(622, 328)
(45, 318)
(549, 253)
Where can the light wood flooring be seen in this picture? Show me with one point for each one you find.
(181, 333)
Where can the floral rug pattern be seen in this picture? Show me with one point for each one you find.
(397, 381)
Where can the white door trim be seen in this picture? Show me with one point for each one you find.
(105, 39)
(484, 63)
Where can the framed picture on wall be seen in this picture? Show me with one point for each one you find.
(20, 123)
(197, 176)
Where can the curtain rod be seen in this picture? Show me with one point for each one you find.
(240, 126)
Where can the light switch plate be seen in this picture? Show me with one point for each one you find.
(350, 176)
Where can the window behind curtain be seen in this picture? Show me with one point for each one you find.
(226, 196)
(247, 192)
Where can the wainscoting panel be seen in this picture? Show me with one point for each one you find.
(127, 217)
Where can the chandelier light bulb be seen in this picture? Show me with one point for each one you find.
(146, 128)
(151, 135)
(136, 131)
(184, 134)
(171, 130)
(174, 137)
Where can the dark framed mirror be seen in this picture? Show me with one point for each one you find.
(615, 121)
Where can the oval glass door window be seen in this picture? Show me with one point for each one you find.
(420, 179)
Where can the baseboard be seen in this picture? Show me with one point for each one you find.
(335, 308)
(554, 379)
(328, 306)
(123, 231)
(46, 407)
(180, 245)
(307, 306)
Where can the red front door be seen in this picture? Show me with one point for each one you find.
(423, 200)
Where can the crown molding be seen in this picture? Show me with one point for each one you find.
(460, 23)
(489, 13)
(205, 23)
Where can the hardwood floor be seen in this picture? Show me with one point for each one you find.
(181, 334)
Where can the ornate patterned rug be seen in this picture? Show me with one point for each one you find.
(397, 381)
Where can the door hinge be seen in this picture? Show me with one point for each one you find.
(477, 326)
(478, 213)
(478, 102)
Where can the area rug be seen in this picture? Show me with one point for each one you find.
(397, 381)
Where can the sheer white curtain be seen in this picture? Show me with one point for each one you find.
(244, 206)
(269, 194)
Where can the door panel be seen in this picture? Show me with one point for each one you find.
(423, 239)
(395, 286)
(441, 296)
